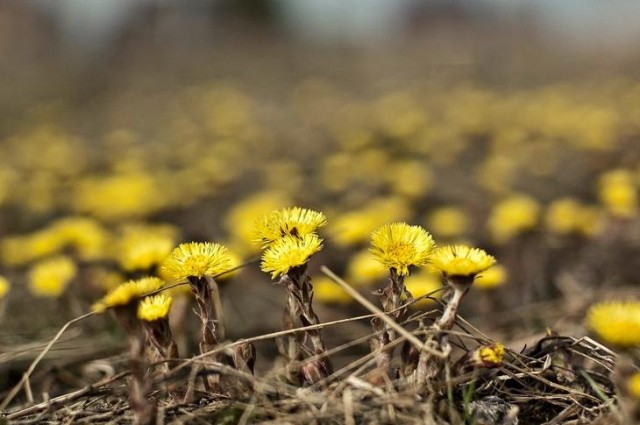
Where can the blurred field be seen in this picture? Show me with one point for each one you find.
(190, 123)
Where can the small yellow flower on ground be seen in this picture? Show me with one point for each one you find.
(195, 259)
(460, 260)
(154, 307)
(50, 277)
(616, 322)
(491, 278)
(294, 221)
(289, 252)
(327, 291)
(128, 292)
(399, 246)
(4, 287)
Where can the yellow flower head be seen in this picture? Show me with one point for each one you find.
(618, 193)
(421, 284)
(154, 307)
(512, 216)
(633, 385)
(143, 247)
(491, 278)
(616, 322)
(364, 268)
(85, 235)
(354, 227)
(50, 277)
(239, 220)
(289, 252)
(399, 246)
(327, 291)
(195, 259)
(128, 292)
(563, 215)
(4, 287)
(294, 221)
(460, 260)
(489, 355)
(448, 222)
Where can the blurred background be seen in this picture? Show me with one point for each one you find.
(512, 126)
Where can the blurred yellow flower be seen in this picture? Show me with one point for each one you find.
(4, 286)
(240, 219)
(460, 260)
(195, 259)
(50, 277)
(20, 250)
(421, 284)
(354, 227)
(618, 193)
(118, 196)
(128, 292)
(563, 215)
(143, 247)
(616, 322)
(289, 252)
(364, 268)
(329, 292)
(488, 356)
(448, 222)
(491, 278)
(294, 221)
(399, 246)
(633, 385)
(512, 216)
(154, 307)
(85, 235)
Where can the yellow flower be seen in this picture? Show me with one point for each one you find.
(143, 247)
(19, 250)
(399, 246)
(154, 307)
(294, 221)
(240, 219)
(4, 287)
(488, 355)
(633, 385)
(85, 235)
(327, 291)
(128, 292)
(354, 227)
(117, 196)
(491, 278)
(421, 284)
(448, 222)
(616, 322)
(563, 215)
(618, 193)
(512, 216)
(289, 252)
(234, 262)
(460, 260)
(195, 259)
(50, 277)
(364, 268)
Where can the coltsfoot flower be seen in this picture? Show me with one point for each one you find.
(4, 286)
(144, 247)
(154, 307)
(50, 277)
(616, 322)
(460, 261)
(488, 356)
(492, 278)
(195, 259)
(633, 385)
(128, 292)
(289, 252)
(399, 246)
(294, 221)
